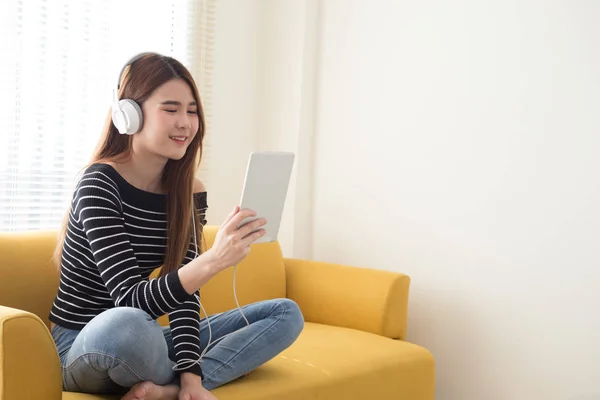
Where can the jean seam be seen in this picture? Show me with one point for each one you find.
(65, 368)
(285, 310)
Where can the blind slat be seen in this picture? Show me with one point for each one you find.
(61, 60)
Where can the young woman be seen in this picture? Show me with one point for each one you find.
(132, 212)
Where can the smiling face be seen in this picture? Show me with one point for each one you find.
(170, 121)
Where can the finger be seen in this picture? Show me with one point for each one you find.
(237, 219)
(236, 209)
(251, 238)
(251, 226)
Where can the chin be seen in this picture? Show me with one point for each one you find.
(175, 157)
(172, 153)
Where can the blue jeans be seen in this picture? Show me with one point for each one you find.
(123, 346)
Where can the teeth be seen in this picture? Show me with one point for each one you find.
(178, 138)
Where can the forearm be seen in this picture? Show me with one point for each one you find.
(198, 272)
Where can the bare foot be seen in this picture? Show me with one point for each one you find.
(150, 391)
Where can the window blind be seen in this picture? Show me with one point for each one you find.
(60, 60)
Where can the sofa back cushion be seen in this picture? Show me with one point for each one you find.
(29, 279)
(28, 276)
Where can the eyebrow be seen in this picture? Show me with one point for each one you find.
(176, 103)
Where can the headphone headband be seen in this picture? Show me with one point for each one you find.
(129, 62)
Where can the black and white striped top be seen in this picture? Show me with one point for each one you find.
(116, 237)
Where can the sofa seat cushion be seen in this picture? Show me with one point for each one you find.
(329, 362)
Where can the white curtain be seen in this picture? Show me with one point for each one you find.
(60, 60)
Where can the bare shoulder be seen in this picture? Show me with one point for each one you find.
(199, 186)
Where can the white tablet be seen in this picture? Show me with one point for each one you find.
(265, 189)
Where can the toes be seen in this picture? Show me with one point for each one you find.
(137, 392)
(129, 395)
(141, 390)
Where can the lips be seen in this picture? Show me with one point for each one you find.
(179, 139)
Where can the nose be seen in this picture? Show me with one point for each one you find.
(184, 122)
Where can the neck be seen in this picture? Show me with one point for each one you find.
(145, 173)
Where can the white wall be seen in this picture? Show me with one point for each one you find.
(280, 91)
(234, 123)
(452, 141)
(264, 79)
(289, 37)
(457, 142)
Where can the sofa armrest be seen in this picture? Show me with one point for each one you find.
(29, 364)
(359, 298)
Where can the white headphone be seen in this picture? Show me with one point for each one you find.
(186, 363)
(126, 113)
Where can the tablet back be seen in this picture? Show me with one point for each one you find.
(265, 188)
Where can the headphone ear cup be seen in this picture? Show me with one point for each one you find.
(118, 118)
(133, 115)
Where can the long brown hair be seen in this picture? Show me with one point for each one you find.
(139, 81)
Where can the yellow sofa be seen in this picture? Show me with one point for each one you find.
(352, 346)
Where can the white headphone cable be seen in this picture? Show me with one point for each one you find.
(189, 363)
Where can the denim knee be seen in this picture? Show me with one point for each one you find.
(132, 337)
(292, 316)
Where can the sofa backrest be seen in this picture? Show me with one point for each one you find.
(29, 279)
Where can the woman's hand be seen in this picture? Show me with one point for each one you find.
(192, 389)
(232, 244)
